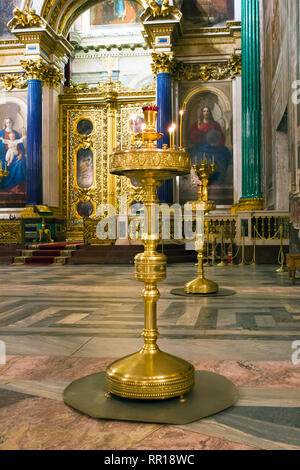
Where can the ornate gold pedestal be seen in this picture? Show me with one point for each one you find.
(201, 285)
(150, 374)
(142, 386)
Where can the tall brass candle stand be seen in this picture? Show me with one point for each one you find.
(150, 373)
(144, 386)
(201, 285)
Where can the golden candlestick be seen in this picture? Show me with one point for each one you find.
(201, 285)
(181, 112)
(150, 374)
(3, 173)
(151, 378)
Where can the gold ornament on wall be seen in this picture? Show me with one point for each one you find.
(11, 81)
(207, 72)
(25, 18)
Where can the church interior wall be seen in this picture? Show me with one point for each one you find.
(279, 72)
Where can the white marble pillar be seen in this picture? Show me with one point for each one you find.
(50, 147)
(237, 137)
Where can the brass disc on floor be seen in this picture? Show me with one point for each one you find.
(221, 293)
(211, 394)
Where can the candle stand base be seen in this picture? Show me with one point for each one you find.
(150, 375)
(211, 394)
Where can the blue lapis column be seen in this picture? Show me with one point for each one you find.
(34, 142)
(164, 120)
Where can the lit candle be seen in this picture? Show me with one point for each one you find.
(133, 118)
(173, 131)
(181, 112)
(170, 132)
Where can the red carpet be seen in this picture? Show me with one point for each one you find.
(46, 254)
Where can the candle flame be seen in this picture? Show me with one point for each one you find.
(181, 112)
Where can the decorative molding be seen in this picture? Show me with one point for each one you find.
(163, 62)
(12, 232)
(11, 81)
(25, 19)
(206, 72)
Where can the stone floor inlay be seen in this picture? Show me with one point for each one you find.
(61, 323)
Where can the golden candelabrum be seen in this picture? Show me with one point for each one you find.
(150, 374)
(201, 285)
(3, 173)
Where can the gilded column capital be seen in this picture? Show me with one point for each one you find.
(163, 62)
(53, 77)
(40, 70)
(26, 18)
(35, 69)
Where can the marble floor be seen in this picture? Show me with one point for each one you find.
(60, 323)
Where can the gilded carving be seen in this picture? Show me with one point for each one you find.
(40, 70)
(163, 62)
(11, 81)
(89, 233)
(53, 77)
(72, 194)
(25, 18)
(163, 10)
(11, 232)
(207, 72)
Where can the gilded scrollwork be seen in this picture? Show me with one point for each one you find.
(11, 81)
(207, 72)
(26, 18)
(72, 194)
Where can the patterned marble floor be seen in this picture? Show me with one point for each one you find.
(60, 323)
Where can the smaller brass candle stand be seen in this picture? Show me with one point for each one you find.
(3, 173)
(201, 285)
(151, 385)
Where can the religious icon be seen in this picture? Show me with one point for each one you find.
(116, 12)
(139, 122)
(12, 156)
(209, 140)
(85, 170)
(208, 134)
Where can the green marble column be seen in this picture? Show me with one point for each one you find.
(252, 198)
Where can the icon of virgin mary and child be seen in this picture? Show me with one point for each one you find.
(207, 139)
(12, 157)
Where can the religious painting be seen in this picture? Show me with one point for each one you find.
(85, 127)
(13, 119)
(85, 168)
(207, 12)
(6, 8)
(110, 12)
(139, 124)
(208, 135)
